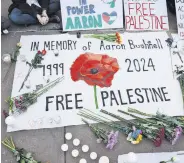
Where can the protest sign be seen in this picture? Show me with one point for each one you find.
(180, 17)
(91, 14)
(146, 15)
(98, 75)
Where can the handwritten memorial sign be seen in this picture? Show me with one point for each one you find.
(146, 15)
(180, 17)
(98, 74)
(91, 14)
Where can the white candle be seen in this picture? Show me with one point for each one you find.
(104, 159)
(85, 148)
(68, 136)
(93, 155)
(6, 58)
(75, 153)
(76, 142)
(82, 161)
(64, 147)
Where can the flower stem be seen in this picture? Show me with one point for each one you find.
(95, 96)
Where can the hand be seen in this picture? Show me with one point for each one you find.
(42, 20)
(44, 14)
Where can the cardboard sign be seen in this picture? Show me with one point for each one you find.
(180, 17)
(153, 157)
(91, 14)
(146, 15)
(98, 74)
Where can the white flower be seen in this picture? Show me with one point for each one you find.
(19, 45)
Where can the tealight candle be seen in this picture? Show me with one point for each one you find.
(68, 136)
(64, 147)
(93, 155)
(75, 153)
(76, 142)
(82, 161)
(104, 159)
(10, 120)
(6, 58)
(85, 148)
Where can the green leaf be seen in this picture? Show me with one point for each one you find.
(22, 161)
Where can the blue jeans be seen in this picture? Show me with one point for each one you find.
(17, 17)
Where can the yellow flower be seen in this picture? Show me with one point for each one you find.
(138, 140)
(19, 45)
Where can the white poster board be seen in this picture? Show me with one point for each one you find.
(177, 55)
(91, 14)
(141, 67)
(180, 17)
(146, 15)
(153, 157)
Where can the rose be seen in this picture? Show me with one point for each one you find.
(95, 70)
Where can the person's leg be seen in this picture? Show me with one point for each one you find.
(54, 7)
(17, 17)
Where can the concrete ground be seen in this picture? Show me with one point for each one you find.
(46, 143)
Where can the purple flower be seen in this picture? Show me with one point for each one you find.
(178, 131)
(112, 139)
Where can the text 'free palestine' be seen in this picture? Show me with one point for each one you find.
(109, 98)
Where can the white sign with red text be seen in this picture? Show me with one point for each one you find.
(180, 17)
(146, 15)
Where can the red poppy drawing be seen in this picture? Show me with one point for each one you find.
(95, 70)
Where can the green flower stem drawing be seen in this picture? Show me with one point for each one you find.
(95, 96)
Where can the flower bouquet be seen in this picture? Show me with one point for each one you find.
(134, 135)
(116, 38)
(22, 156)
(172, 125)
(25, 100)
(107, 137)
(151, 132)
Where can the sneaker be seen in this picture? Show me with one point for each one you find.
(54, 19)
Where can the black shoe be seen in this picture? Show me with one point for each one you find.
(54, 19)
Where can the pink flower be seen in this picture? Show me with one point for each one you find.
(178, 131)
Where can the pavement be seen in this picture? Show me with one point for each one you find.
(46, 143)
